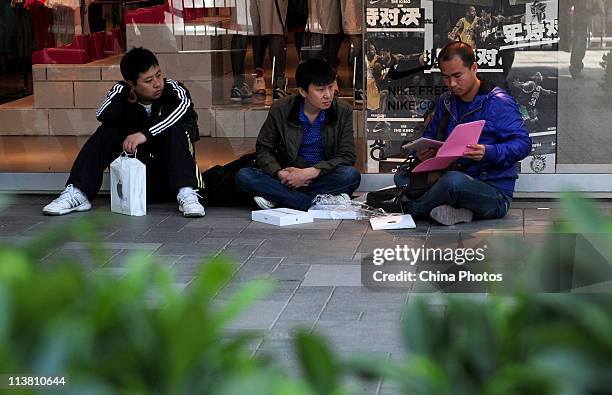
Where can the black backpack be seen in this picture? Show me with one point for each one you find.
(392, 199)
(220, 188)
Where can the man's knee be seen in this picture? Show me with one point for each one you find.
(109, 133)
(401, 180)
(454, 180)
(245, 177)
(350, 175)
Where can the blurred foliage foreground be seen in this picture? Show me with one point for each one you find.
(138, 334)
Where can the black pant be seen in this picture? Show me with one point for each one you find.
(170, 161)
(356, 56)
(238, 57)
(331, 47)
(276, 44)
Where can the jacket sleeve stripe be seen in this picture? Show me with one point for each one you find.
(177, 113)
(117, 88)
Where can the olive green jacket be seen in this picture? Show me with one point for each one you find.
(280, 137)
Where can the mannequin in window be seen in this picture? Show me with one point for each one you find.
(324, 21)
(269, 19)
(352, 17)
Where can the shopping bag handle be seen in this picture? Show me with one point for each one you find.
(128, 154)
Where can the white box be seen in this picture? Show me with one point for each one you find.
(341, 212)
(281, 216)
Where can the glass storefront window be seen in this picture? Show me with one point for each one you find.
(58, 58)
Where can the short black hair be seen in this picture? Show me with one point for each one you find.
(316, 72)
(457, 48)
(137, 61)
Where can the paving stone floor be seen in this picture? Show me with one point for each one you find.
(316, 266)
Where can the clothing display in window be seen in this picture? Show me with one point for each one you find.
(63, 24)
(269, 19)
(352, 16)
(324, 16)
(265, 16)
(16, 46)
(352, 21)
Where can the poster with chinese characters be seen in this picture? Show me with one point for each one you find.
(532, 77)
(395, 109)
(515, 42)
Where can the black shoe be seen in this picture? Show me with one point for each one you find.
(241, 94)
(392, 200)
(279, 93)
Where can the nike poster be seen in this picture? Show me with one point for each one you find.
(515, 43)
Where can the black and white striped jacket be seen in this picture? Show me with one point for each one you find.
(174, 107)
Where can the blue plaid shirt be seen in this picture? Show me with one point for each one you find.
(311, 147)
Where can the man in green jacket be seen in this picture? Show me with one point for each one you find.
(305, 147)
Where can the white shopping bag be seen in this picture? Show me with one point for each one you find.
(128, 185)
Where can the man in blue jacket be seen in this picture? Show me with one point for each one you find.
(483, 184)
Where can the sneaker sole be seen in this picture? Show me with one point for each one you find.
(79, 208)
(448, 215)
(191, 215)
(262, 204)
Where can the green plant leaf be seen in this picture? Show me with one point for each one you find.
(320, 367)
(241, 300)
(584, 215)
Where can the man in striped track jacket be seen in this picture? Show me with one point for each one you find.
(149, 114)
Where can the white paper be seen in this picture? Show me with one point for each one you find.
(389, 222)
(335, 212)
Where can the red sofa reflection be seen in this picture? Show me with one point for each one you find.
(84, 48)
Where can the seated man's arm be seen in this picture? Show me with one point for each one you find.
(267, 144)
(345, 153)
(431, 130)
(114, 104)
(514, 141)
(184, 107)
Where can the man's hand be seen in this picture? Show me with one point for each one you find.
(297, 178)
(132, 141)
(476, 152)
(282, 175)
(426, 153)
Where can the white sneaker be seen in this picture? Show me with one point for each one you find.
(72, 199)
(263, 203)
(449, 215)
(331, 200)
(189, 204)
(259, 84)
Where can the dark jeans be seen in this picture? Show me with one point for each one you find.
(459, 190)
(343, 179)
(170, 161)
